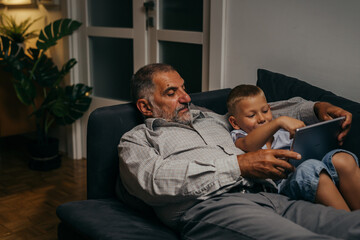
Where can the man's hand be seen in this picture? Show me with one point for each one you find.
(268, 163)
(326, 111)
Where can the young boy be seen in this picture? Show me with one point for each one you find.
(333, 181)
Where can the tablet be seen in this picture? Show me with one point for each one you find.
(314, 141)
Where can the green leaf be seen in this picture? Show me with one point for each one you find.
(46, 74)
(17, 32)
(10, 52)
(56, 30)
(77, 103)
(68, 66)
(59, 108)
(25, 89)
(66, 69)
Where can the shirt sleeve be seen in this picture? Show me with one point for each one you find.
(237, 133)
(296, 107)
(157, 181)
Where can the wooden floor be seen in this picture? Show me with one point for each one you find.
(28, 198)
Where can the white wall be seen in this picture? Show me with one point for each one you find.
(317, 41)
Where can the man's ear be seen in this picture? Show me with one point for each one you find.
(144, 107)
(233, 123)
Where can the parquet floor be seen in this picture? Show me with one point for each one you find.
(28, 198)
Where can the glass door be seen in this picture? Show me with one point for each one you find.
(179, 36)
(122, 36)
(111, 42)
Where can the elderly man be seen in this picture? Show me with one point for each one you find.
(183, 163)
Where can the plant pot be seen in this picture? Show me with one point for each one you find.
(44, 156)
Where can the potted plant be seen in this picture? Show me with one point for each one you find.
(39, 83)
(17, 32)
(14, 118)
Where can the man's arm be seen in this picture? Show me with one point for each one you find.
(311, 112)
(296, 107)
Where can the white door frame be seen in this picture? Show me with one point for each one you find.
(74, 131)
(217, 54)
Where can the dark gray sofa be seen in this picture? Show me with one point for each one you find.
(103, 216)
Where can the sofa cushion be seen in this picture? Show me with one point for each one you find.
(110, 219)
(281, 87)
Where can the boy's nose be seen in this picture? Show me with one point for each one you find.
(261, 118)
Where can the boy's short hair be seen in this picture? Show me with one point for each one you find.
(239, 93)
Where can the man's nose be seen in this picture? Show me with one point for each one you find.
(184, 98)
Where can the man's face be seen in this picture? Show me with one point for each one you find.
(170, 100)
(251, 113)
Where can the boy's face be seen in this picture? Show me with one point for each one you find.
(251, 113)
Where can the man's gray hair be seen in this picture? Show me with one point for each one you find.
(142, 85)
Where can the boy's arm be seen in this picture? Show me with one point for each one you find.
(259, 136)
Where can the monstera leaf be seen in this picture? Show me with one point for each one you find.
(46, 72)
(69, 104)
(11, 54)
(66, 69)
(55, 31)
(24, 88)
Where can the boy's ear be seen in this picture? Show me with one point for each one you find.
(144, 107)
(233, 123)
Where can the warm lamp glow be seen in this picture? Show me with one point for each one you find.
(15, 2)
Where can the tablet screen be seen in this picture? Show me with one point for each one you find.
(314, 141)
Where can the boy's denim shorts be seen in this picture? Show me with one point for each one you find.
(303, 182)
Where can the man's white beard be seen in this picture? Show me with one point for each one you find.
(173, 117)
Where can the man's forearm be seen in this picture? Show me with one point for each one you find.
(296, 107)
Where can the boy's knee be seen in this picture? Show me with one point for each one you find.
(344, 162)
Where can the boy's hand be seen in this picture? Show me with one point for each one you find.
(290, 124)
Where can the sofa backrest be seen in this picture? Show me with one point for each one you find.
(278, 87)
(106, 125)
